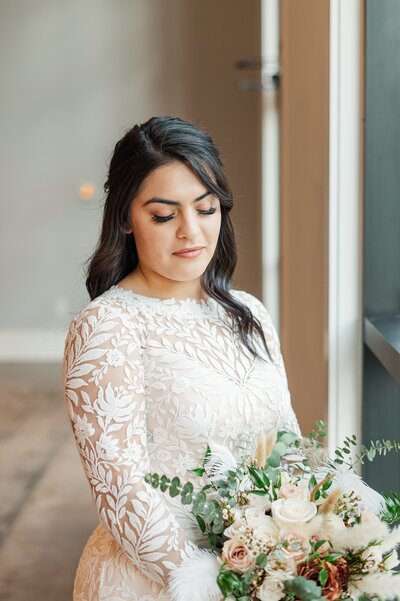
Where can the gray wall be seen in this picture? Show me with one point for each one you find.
(381, 392)
(74, 76)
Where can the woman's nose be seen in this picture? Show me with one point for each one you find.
(188, 226)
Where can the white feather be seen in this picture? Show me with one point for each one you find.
(386, 586)
(391, 541)
(357, 537)
(219, 462)
(195, 579)
(349, 481)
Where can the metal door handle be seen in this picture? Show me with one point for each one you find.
(270, 74)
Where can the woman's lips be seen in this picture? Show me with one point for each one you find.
(189, 254)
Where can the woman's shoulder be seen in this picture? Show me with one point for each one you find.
(253, 302)
(259, 310)
(105, 312)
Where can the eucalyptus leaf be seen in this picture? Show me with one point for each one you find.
(212, 539)
(305, 590)
(274, 459)
(288, 438)
(261, 560)
(280, 448)
(201, 523)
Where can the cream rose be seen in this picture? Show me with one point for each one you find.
(237, 527)
(254, 516)
(266, 531)
(273, 588)
(289, 512)
(237, 555)
(260, 501)
(280, 565)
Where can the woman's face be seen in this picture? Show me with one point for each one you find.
(173, 211)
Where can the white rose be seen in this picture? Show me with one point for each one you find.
(237, 514)
(236, 528)
(272, 589)
(260, 501)
(391, 561)
(280, 565)
(291, 512)
(254, 516)
(266, 531)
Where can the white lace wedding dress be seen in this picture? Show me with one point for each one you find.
(148, 384)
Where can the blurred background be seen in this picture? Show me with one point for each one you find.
(302, 97)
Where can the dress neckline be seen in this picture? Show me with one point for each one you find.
(167, 301)
(192, 307)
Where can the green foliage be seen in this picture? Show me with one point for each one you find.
(318, 432)
(207, 512)
(236, 584)
(379, 447)
(212, 539)
(174, 488)
(391, 511)
(261, 560)
(199, 471)
(259, 477)
(229, 582)
(317, 544)
(284, 440)
(323, 577)
(341, 452)
(302, 589)
(312, 483)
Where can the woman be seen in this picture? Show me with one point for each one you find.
(165, 359)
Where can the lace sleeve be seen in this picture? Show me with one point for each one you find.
(106, 400)
(288, 419)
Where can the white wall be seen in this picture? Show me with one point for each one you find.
(74, 76)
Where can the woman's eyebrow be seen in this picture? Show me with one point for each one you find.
(172, 202)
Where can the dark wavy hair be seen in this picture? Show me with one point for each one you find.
(160, 141)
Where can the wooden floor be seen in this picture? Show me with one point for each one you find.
(46, 511)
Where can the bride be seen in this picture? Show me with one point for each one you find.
(164, 359)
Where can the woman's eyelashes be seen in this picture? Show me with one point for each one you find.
(160, 219)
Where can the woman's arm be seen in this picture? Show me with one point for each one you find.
(105, 396)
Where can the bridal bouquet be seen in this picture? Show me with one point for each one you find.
(287, 522)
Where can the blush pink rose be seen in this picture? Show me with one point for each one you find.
(292, 491)
(295, 545)
(237, 555)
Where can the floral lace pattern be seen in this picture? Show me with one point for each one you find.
(148, 384)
